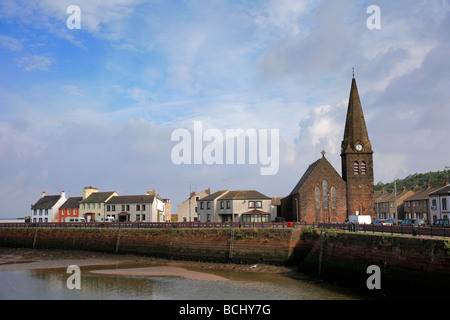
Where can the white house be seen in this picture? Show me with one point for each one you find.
(187, 210)
(136, 208)
(47, 207)
(235, 206)
(440, 203)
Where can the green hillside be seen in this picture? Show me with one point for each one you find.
(416, 181)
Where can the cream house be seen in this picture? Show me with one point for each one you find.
(92, 207)
(236, 206)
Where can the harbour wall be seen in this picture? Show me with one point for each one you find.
(410, 267)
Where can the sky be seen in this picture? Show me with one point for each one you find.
(98, 106)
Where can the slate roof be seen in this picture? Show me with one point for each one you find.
(214, 195)
(46, 202)
(244, 195)
(444, 190)
(305, 176)
(97, 197)
(72, 202)
(422, 195)
(131, 199)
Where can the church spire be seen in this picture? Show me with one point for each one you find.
(356, 137)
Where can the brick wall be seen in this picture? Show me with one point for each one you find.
(250, 245)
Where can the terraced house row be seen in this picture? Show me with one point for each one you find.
(101, 206)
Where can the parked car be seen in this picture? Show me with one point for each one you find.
(383, 222)
(414, 222)
(392, 221)
(443, 223)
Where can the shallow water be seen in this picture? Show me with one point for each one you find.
(51, 284)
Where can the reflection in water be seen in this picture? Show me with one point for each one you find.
(51, 284)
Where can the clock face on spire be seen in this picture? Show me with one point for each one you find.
(359, 147)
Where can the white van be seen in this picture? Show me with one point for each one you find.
(75, 219)
(360, 219)
(106, 219)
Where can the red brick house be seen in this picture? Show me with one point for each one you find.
(69, 209)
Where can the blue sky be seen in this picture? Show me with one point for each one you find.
(97, 106)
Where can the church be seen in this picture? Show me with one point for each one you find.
(321, 194)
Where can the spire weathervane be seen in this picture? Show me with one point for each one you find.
(353, 72)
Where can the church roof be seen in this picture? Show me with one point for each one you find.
(305, 176)
(355, 125)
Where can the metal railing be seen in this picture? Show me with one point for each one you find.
(156, 225)
(365, 228)
(416, 230)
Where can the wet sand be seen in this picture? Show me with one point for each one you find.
(12, 259)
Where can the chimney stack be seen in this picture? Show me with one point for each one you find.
(43, 194)
(429, 185)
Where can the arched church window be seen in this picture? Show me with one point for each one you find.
(363, 167)
(325, 193)
(355, 167)
(317, 198)
(333, 198)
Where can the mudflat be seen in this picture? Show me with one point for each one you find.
(12, 259)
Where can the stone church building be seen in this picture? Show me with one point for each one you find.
(322, 194)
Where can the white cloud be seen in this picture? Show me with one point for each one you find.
(35, 62)
(10, 43)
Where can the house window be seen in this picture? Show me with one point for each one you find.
(355, 167)
(208, 205)
(444, 203)
(138, 207)
(363, 167)
(113, 207)
(143, 209)
(333, 198)
(228, 204)
(251, 204)
(99, 206)
(222, 204)
(123, 207)
(317, 198)
(325, 193)
(258, 204)
(201, 205)
(108, 208)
